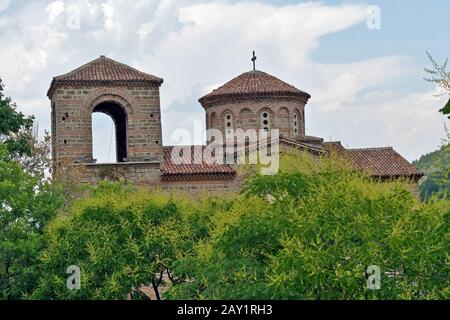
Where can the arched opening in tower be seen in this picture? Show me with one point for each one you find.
(109, 141)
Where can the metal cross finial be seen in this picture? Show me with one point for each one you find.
(254, 61)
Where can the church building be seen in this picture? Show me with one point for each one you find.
(252, 100)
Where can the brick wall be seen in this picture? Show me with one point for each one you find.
(195, 188)
(138, 173)
(148, 175)
(72, 107)
(247, 114)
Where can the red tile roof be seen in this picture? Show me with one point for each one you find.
(104, 69)
(251, 83)
(383, 162)
(203, 168)
(378, 162)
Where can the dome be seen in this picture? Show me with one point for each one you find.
(251, 84)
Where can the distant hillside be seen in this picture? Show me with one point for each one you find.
(436, 166)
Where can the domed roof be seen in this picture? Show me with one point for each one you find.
(253, 83)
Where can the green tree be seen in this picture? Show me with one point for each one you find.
(27, 205)
(15, 128)
(436, 166)
(441, 77)
(315, 236)
(37, 162)
(122, 239)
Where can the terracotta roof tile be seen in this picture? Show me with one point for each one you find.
(383, 162)
(253, 82)
(379, 162)
(105, 69)
(171, 169)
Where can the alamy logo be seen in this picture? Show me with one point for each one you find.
(374, 18)
(74, 280)
(373, 274)
(236, 147)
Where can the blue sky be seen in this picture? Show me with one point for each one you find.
(366, 85)
(408, 28)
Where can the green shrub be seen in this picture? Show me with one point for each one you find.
(27, 206)
(122, 239)
(326, 225)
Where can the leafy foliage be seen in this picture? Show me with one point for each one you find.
(27, 205)
(436, 165)
(38, 161)
(315, 241)
(14, 127)
(122, 239)
(441, 77)
(308, 232)
(313, 238)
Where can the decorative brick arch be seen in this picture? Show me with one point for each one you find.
(262, 109)
(272, 109)
(245, 111)
(100, 95)
(271, 115)
(227, 110)
(126, 104)
(282, 109)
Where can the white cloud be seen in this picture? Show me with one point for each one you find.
(55, 9)
(215, 40)
(411, 124)
(4, 4)
(196, 45)
(338, 85)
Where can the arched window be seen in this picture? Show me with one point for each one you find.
(265, 121)
(109, 133)
(296, 123)
(228, 119)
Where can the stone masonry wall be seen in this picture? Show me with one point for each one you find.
(72, 108)
(140, 174)
(148, 175)
(247, 115)
(196, 188)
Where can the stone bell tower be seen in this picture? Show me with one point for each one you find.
(130, 97)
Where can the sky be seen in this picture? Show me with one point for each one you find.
(361, 61)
